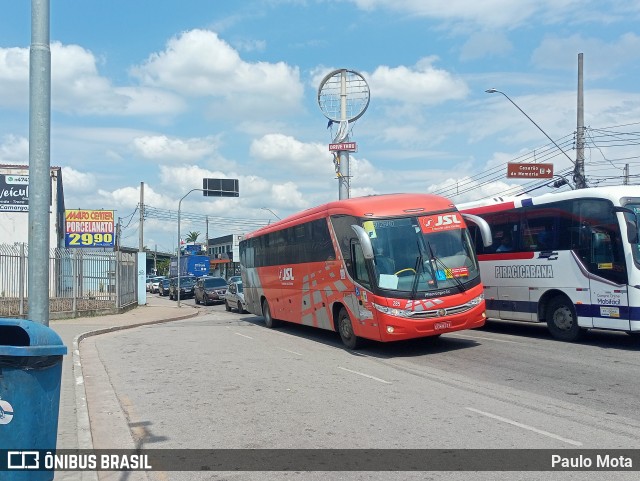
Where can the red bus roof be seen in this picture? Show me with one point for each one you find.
(374, 206)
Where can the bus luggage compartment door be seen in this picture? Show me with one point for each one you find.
(514, 303)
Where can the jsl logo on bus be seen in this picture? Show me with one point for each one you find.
(441, 222)
(286, 274)
(447, 219)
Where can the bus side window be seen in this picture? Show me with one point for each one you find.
(344, 234)
(359, 268)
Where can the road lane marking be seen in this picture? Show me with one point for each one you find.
(238, 334)
(525, 426)
(485, 338)
(365, 375)
(292, 352)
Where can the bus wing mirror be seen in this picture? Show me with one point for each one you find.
(485, 230)
(365, 241)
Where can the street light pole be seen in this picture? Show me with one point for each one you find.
(578, 174)
(275, 215)
(178, 257)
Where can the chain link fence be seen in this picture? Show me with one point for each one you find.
(82, 282)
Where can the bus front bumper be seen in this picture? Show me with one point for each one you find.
(394, 328)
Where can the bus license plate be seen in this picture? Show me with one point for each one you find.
(442, 325)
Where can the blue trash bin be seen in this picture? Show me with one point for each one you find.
(30, 376)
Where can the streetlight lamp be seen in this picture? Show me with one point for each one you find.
(577, 175)
(275, 215)
(178, 257)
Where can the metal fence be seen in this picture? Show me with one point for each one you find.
(82, 282)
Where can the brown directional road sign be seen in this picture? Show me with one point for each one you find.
(529, 171)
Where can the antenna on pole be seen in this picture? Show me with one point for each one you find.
(343, 96)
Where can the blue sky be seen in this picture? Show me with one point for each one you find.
(168, 93)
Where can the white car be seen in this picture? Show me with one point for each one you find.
(155, 284)
(234, 298)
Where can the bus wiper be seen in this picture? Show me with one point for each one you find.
(432, 257)
(444, 266)
(418, 269)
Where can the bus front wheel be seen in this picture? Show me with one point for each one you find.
(562, 320)
(269, 321)
(345, 328)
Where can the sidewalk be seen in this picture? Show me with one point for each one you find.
(74, 431)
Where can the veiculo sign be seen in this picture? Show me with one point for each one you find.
(14, 193)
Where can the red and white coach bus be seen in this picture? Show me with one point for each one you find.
(573, 262)
(386, 267)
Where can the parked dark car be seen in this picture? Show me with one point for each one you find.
(210, 289)
(163, 287)
(187, 284)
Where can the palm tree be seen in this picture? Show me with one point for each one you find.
(192, 237)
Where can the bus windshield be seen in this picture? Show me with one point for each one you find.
(415, 259)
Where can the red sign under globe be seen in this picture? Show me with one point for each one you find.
(343, 146)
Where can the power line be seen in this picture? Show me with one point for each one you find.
(224, 223)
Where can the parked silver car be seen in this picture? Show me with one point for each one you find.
(234, 298)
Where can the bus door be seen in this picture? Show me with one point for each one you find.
(512, 288)
(359, 299)
(608, 287)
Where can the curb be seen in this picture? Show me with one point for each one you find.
(85, 440)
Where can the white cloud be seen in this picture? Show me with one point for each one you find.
(76, 182)
(14, 75)
(77, 87)
(601, 58)
(422, 84)
(250, 45)
(506, 14)
(285, 152)
(287, 196)
(198, 63)
(161, 147)
(14, 150)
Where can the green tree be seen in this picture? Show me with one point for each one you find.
(163, 267)
(192, 237)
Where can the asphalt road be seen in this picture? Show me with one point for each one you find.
(225, 381)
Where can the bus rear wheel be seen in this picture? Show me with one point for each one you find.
(562, 320)
(345, 328)
(269, 321)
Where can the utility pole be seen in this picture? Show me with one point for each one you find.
(578, 174)
(206, 236)
(141, 231)
(626, 174)
(39, 162)
(142, 255)
(118, 233)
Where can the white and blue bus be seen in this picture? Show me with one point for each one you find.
(570, 259)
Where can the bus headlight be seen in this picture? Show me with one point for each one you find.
(476, 300)
(393, 311)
